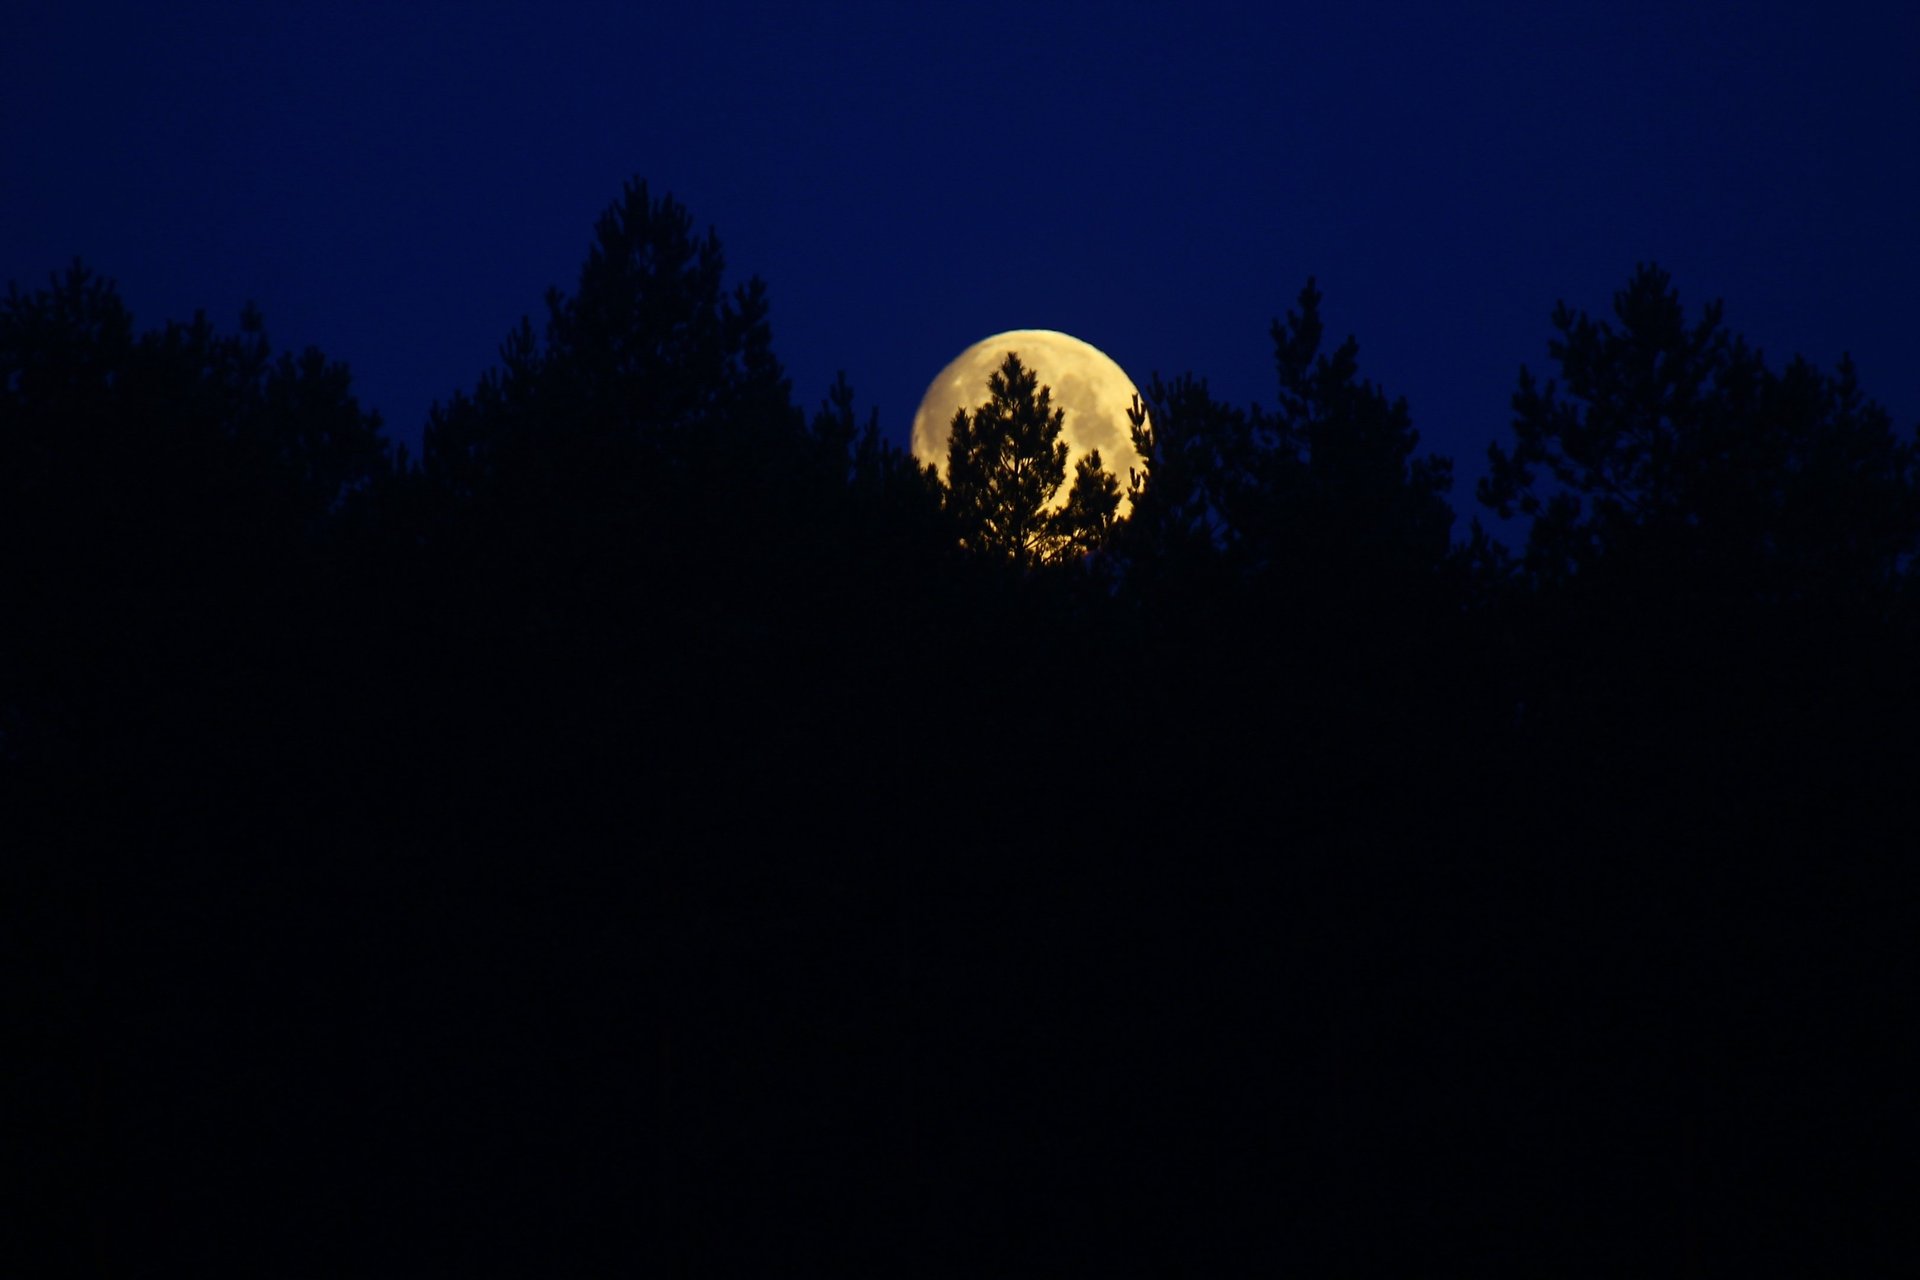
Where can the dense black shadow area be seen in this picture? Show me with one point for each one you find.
(656, 829)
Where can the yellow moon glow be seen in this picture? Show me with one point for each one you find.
(1092, 392)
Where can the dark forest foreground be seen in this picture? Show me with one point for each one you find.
(658, 831)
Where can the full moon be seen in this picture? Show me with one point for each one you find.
(1092, 392)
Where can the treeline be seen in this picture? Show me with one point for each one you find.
(661, 824)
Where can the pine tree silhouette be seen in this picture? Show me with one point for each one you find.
(1668, 448)
(1006, 465)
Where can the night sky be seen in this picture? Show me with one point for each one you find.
(398, 184)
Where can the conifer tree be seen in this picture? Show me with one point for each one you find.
(1006, 464)
(166, 500)
(1327, 487)
(1667, 448)
(651, 368)
(1362, 504)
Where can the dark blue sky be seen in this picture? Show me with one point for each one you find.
(398, 183)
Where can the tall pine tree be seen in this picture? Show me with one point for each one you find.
(1006, 465)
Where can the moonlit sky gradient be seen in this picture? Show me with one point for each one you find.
(399, 183)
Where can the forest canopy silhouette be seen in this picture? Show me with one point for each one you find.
(839, 800)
